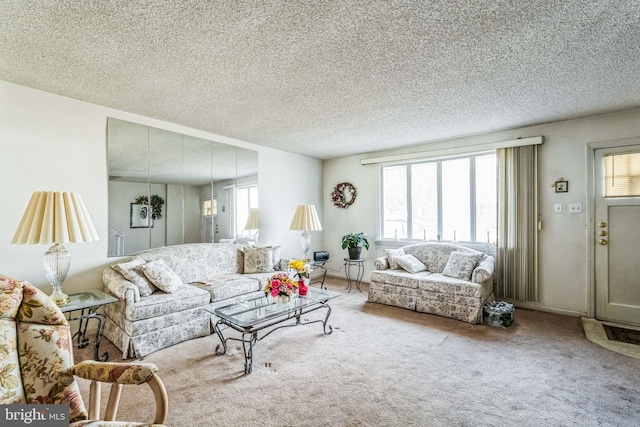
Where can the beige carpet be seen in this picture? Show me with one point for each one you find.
(386, 366)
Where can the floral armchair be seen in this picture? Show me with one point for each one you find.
(36, 361)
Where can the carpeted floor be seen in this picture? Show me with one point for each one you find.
(386, 366)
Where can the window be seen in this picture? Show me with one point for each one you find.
(622, 175)
(451, 199)
(209, 207)
(246, 198)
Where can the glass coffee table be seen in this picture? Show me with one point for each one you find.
(252, 313)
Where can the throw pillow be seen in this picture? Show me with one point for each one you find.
(258, 260)
(131, 271)
(410, 263)
(461, 265)
(161, 275)
(391, 255)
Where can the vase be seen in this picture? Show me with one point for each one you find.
(303, 287)
(282, 299)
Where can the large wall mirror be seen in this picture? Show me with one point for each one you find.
(166, 188)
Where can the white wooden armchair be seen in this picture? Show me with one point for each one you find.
(36, 361)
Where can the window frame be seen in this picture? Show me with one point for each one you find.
(411, 236)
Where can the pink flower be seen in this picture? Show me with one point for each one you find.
(274, 292)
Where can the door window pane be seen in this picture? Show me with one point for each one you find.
(394, 196)
(456, 196)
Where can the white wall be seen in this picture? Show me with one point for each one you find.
(565, 244)
(49, 142)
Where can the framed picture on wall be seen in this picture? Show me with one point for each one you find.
(140, 216)
(562, 186)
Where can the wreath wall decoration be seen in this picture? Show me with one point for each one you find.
(343, 195)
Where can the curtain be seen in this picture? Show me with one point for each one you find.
(517, 252)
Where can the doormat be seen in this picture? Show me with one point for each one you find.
(629, 336)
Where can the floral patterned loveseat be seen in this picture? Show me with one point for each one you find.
(438, 278)
(162, 292)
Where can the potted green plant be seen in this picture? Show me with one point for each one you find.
(354, 243)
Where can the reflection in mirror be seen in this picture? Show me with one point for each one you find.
(206, 188)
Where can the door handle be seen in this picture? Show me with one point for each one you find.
(603, 242)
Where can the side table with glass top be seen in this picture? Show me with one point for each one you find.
(359, 264)
(87, 303)
(319, 265)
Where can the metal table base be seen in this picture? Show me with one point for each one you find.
(250, 333)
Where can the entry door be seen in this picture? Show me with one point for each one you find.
(617, 235)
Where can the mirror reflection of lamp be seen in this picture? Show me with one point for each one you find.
(253, 223)
(55, 217)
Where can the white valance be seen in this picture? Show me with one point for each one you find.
(453, 149)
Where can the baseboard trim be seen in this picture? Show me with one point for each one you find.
(539, 307)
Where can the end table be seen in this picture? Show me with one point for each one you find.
(359, 263)
(315, 265)
(87, 303)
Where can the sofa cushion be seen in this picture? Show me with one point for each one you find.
(391, 255)
(258, 260)
(228, 286)
(439, 283)
(398, 277)
(461, 265)
(131, 271)
(158, 304)
(410, 263)
(161, 275)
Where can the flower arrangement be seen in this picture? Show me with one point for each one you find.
(302, 271)
(280, 284)
(302, 268)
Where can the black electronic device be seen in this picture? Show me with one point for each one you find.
(321, 256)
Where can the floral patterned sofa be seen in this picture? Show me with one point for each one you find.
(438, 278)
(162, 292)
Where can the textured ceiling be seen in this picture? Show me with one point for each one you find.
(331, 78)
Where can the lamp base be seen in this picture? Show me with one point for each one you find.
(305, 242)
(59, 297)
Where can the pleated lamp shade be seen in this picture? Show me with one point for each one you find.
(55, 217)
(305, 219)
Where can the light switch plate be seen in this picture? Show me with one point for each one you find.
(557, 208)
(575, 207)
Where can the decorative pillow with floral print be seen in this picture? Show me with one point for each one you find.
(410, 263)
(461, 265)
(391, 255)
(132, 271)
(258, 260)
(162, 276)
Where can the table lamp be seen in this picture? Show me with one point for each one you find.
(305, 219)
(55, 217)
(253, 223)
